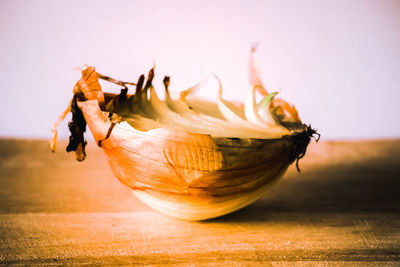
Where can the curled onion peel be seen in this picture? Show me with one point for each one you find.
(190, 159)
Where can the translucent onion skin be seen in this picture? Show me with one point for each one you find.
(193, 176)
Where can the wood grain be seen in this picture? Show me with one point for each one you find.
(343, 208)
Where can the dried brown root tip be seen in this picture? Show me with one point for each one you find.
(150, 78)
(123, 95)
(124, 91)
(115, 121)
(299, 143)
(166, 83)
(297, 161)
(139, 84)
(77, 127)
(313, 133)
(80, 152)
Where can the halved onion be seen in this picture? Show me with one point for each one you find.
(190, 159)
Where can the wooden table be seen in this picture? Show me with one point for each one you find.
(344, 207)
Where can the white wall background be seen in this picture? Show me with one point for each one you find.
(337, 61)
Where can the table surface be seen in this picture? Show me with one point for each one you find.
(342, 208)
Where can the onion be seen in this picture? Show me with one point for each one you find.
(190, 159)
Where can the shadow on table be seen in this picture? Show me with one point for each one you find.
(367, 187)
